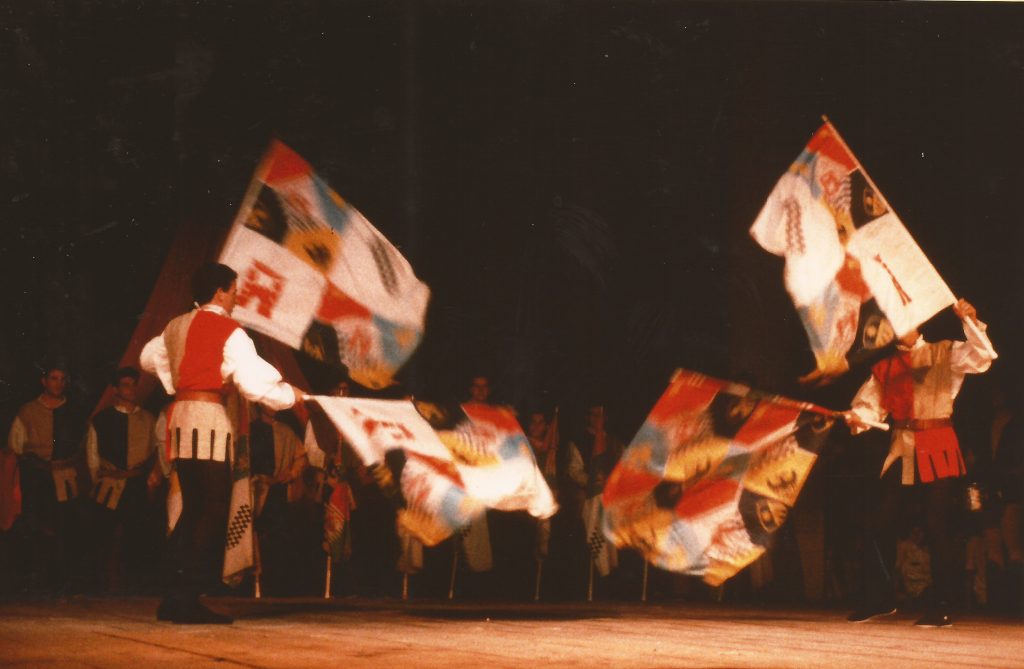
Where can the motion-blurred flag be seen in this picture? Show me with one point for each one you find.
(497, 463)
(711, 475)
(853, 271)
(316, 275)
(441, 481)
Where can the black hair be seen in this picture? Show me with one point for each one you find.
(210, 278)
(124, 372)
(51, 365)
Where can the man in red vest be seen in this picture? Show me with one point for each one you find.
(916, 387)
(199, 358)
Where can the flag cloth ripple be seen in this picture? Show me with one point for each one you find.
(855, 274)
(441, 481)
(314, 274)
(711, 475)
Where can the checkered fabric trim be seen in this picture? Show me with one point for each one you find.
(238, 525)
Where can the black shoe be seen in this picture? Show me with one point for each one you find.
(934, 619)
(867, 613)
(197, 614)
(168, 609)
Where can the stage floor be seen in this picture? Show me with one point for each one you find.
(356, 633)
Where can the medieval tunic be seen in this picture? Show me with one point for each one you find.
(50, 438)
(119, 446)
(916, 387)
(47, 442)
(203, 351)
(198, 357)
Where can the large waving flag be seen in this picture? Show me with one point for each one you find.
(854, 272)
(710, 476)
(441, 481)
(316, 275)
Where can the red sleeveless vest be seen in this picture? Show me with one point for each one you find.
(204, 352)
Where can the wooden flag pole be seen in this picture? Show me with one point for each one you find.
(590, 582)
(884, 427)
(327, 580)
(455, 565)
(536, 589)
(258, 572)
(405, 587)
(643, 593)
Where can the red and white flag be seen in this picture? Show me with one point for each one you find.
(855, 274)
(314, 274)
(442, 480)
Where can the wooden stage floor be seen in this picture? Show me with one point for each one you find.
(356, 633)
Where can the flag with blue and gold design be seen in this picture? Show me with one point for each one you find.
(315, 274)
(711, 475)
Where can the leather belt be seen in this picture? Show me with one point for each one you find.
(922, 423)
(33, 460)
(109, 471)
(199, 396)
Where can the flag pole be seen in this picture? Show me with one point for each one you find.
(327, 580)
(590, 581)
(536, 589)
(258, 571)
(405, 587)
(884, 427)
(643, 593)
(455, 565)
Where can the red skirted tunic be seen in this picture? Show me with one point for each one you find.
(917, 387)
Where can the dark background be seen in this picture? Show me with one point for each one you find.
(573, 180)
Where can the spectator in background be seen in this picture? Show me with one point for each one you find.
(914, 565)
(1004, 510)
(120, 448)
(600, 452)
(278, 461)
(46, 436)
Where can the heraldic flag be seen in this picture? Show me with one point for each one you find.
(316, 275)
(854, 272)
(711, 475)
(441, 481)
